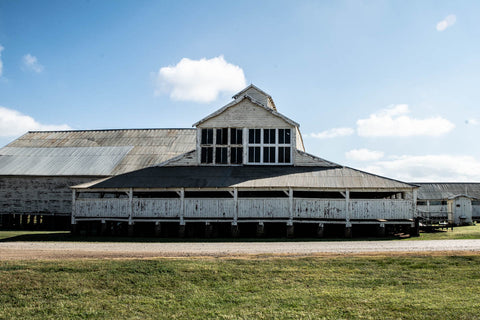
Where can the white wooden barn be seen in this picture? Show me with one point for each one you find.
(37, 170)
(247, 173)
(454, 203)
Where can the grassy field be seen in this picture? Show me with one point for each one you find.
(401, 287)
(468, 232)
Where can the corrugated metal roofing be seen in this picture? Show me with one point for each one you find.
(438, 191)
(93, 152)
(249, 177)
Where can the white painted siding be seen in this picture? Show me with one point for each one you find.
(209, 208)
(263, 208)
(299, 140)
(245, 115)
(156, 208)
(380, 209)
(108, 208)
(319, 209)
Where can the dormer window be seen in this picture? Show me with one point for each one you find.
(269, 146)
(221, 146)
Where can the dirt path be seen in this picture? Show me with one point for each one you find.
(76, 250)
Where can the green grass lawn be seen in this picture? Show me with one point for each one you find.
(400, 287)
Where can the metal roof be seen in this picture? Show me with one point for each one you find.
(249, 177)
(93, 152)
(443, 191)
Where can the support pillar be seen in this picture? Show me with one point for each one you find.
(290, 231)
(320, 230)
(158, 229)
(348, 230)
(103, 228)
(74, 230)
(23, 221)
(131, 230)
(17, 220)
(208, 230)
(235, 230)
(381, 230)
(260, 229)
(181, 231)
(416, 228)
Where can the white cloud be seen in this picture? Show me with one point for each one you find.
(200, 80)
(14, 123)
(447, 22)
(1, 63)
(393, 122)
(31, 63)
(428, 168)
(333, 133)
(364, 155)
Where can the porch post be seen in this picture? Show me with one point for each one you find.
(73, 222)
(290, 228)
(348, 224)
(181, 227)
(130, 212)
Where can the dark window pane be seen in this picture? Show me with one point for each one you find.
(222, 136)
(237, 155)
(254, 135)
(254, 154)
(269, 154)
(284, 155)
(236, 136)
(206, 155)
(268, 136)
(207, 136)
(284, 136)
(221, 155)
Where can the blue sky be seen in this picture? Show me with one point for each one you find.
(391, 87)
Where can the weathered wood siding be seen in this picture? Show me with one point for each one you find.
(156, 208)
(105, 208)
(245, 115)
(299, 140)
(38, 195)
(209, 208)
(251, 208)
(263, 208)
(380, 209)
(319, 209)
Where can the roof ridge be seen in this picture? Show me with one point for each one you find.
(91, 130)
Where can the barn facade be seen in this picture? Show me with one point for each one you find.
(453, 203)
(247, 173)
(37, 170)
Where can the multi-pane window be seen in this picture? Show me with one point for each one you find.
(221, 146)
(269, 146)
(225, 146)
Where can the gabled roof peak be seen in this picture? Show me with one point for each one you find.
(258, 94)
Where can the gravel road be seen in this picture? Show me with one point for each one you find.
(75, 250)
